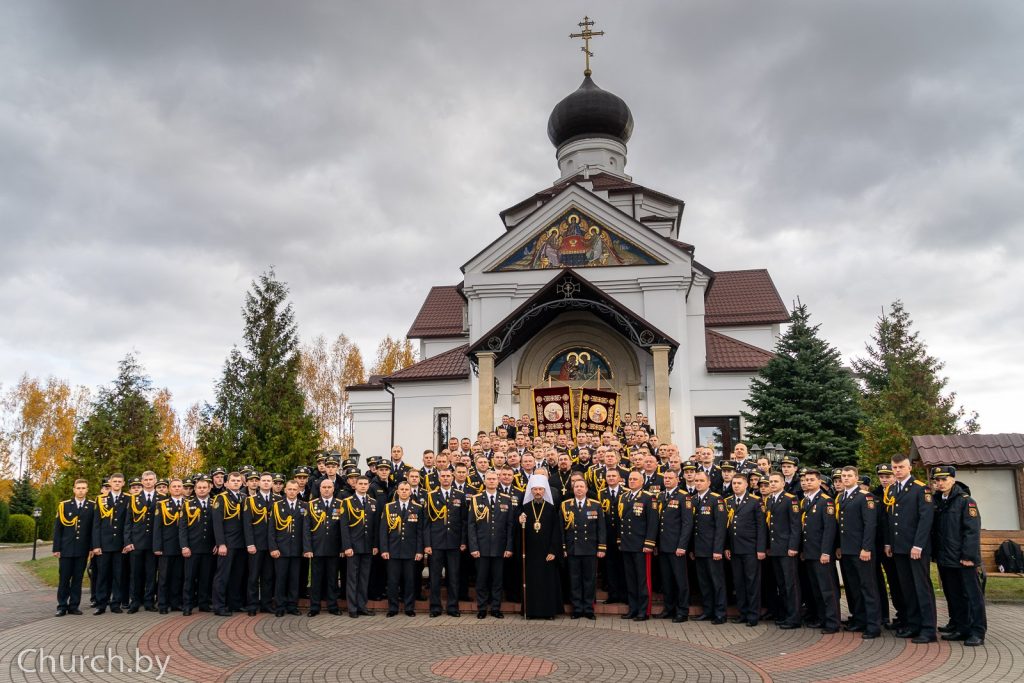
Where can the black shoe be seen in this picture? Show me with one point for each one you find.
(718, 622)
(953, 636)
(251, 612)
(435, 613)
(869, 636)
(410, 613)
(974, 641)
(854, 629)
(662, 615)
(736, 620)
(187, 612)
(948, 628)
(312, 613)
(481, 615)
(704, 617)
(813, 624)
(829, 631)
(788, 627)
(279, 613)
(133, 609)
(391, 614)
(60, 613)
(921, 640)
(680, 619)
(205, 609)
(906, 633)
(294, 611)
(642, 617)
(336, 612)
(752, 623)
(115, 610)
(99, 610)
(224, 613)
(627, 615)
(164, 610)
(454, 613)
(497, 614)
(149, 608)
(574, 615)
(590, 615)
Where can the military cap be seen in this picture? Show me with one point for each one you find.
(372, 460)
(188, 482)
(252, 474)
(883, 468)
(943, 471)
(201, 477)
(333, 460)
(350, 462)
(246, 468)
(790, 460)
(300, 471)
(384, 463)
(689, 466)
(810, 469)
(728, 465)
(321, 457)
(763, 482)
(218, 470)
(278, 478)
(135, 481)
(837, 473)
(163, 482)
(104, 482)
(352, 471)
(864, 479)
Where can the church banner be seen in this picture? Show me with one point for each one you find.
(553, 410)
(597, 411)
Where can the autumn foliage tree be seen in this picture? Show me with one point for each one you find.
(178, 435)
(393, 355)
(325, 372)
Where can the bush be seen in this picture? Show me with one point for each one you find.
(20, 529)
(5, 516)
(48, 503)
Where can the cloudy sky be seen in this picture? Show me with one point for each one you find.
(157, 156)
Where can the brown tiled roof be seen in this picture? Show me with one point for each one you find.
(743, 297)
(725, 354)
(969, 450)
(440, 315)
(453, 364)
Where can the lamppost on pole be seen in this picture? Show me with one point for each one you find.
(36, 514)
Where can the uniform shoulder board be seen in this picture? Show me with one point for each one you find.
(594, 501)
(716, 495)
(65, 502)
(565, 503)
(920, 483)
(789, 495)
(413, 502)
(869, 495)
(754, 497)
(728, 498)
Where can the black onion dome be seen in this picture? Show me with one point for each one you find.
(590, 112)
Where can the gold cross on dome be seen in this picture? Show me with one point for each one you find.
(586, 34)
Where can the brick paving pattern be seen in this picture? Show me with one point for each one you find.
(206, 649)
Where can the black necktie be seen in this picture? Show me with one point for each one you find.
(492, 501)
(445, 494)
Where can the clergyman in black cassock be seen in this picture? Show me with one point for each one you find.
(542, 546)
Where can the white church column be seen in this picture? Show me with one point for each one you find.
(485, 391)
(662, 412)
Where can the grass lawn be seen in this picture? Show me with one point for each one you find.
(46, 568)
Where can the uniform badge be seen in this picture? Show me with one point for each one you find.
(215, 504)
(972, 511)
(689, 504)
(830, 509)
(871, 503)
(721, 507)
(455, 502)
(503, 507)
(412, 517)
(673, 503)
(927, 497)
(591, 514)
(638, 509)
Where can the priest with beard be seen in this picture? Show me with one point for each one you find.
(541, 526)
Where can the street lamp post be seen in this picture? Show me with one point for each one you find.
(36, 514)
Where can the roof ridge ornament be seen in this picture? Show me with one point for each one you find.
(586, 34)
(568, 288)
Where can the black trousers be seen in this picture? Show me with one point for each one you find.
(711, 579)
(824, 591)
(286, 582)
(69, 581)
(143, 578)
(489, 576)
(126, 579)
(789, 588)
(675, 584)
(885, 573)
(861, 593)
(582, 583)
(227, 579)
(303, 577)
(324, 583)
(109, 579)
(966, 602)
(357, 581)
(172, 578)
(467, 574)
(260, 591)
(638, 590)
(401, 586)
(198, 589)
(446, 562)
(92, 571)
(918, 593)
(614, 574)
(746, 578)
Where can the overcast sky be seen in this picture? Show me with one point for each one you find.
(157, 156)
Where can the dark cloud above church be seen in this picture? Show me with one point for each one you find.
(158, 156)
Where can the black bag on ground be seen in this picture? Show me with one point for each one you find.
(1009, 559)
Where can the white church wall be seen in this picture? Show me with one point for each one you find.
(431, 347)
(371, 422)
(416, 407)
(761, 336)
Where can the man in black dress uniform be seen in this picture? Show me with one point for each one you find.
(255, 525)
(359, 544)
(491, 516)
(818, 514)
(108, 542)
(584, 541)
(638, 530)
(709, 524)
(229, 539)
(445, 537)
(195, 536)
(613, 568)
(858, 514)
(401, 547)
(675, 531)
(139, 542)
(322, 545)
(285, 530)
(72, 542)
(167, 548)
(746, 545)
(782, 512)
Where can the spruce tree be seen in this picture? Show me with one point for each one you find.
(259, 416)
(122, 431)
(23, 496)
(903, 391)
(804, 399)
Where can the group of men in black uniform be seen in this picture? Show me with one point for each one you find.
(636, 516)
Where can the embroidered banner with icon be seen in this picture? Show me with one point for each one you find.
(597, 411)
(553, 410)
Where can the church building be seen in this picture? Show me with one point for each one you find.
(588, 285)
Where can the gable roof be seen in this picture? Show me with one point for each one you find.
(440, 315)
(725, 354)
(452, 364)
(969, 450)
(743, 297)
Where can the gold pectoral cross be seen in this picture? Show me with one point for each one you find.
(586, 34)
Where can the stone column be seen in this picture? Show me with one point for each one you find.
(662, 414)
(485, 389)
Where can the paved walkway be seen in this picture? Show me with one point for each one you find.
(204, 648)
